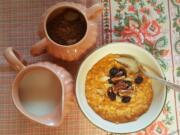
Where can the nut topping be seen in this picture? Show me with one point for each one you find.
(121, 85)
(116, 79)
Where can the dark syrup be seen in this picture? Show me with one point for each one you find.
(68, 27)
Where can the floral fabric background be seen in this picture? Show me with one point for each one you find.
(155, 26)
(152, 24)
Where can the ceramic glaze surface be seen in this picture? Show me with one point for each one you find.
(43, 91)
(74, 51)
(159, 90)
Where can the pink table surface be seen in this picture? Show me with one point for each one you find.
(151, 24)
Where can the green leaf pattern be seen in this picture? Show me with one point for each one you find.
(142, 22)
(135, 24)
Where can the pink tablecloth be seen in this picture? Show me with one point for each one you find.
(152, 24)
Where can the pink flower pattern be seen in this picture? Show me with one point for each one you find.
(143, 23)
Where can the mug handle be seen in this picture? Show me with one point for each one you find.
(94, 11)
(14, 59)
(39, 47)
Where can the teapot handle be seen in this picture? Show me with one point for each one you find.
(94, 11)
(39, 47)
(14, 59)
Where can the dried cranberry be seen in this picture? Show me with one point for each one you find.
(111, 94)
(138, 79)
(122, 72)
(113, 71)
(126, 99)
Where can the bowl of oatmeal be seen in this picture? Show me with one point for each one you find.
(114, 94)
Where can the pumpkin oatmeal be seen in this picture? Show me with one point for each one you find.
(116, 93)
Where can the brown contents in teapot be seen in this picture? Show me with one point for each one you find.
(68, 27)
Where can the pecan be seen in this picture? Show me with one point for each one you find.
(123, 86)
(116, 79)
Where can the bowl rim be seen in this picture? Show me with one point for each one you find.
(86, 115)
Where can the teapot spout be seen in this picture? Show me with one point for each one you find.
(94, 11)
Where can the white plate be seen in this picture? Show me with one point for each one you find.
(159, 90)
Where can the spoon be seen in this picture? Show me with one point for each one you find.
(134, 65)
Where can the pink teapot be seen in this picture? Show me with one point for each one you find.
(74, 51)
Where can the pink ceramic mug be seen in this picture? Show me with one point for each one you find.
(43, 91)
(74, 51)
